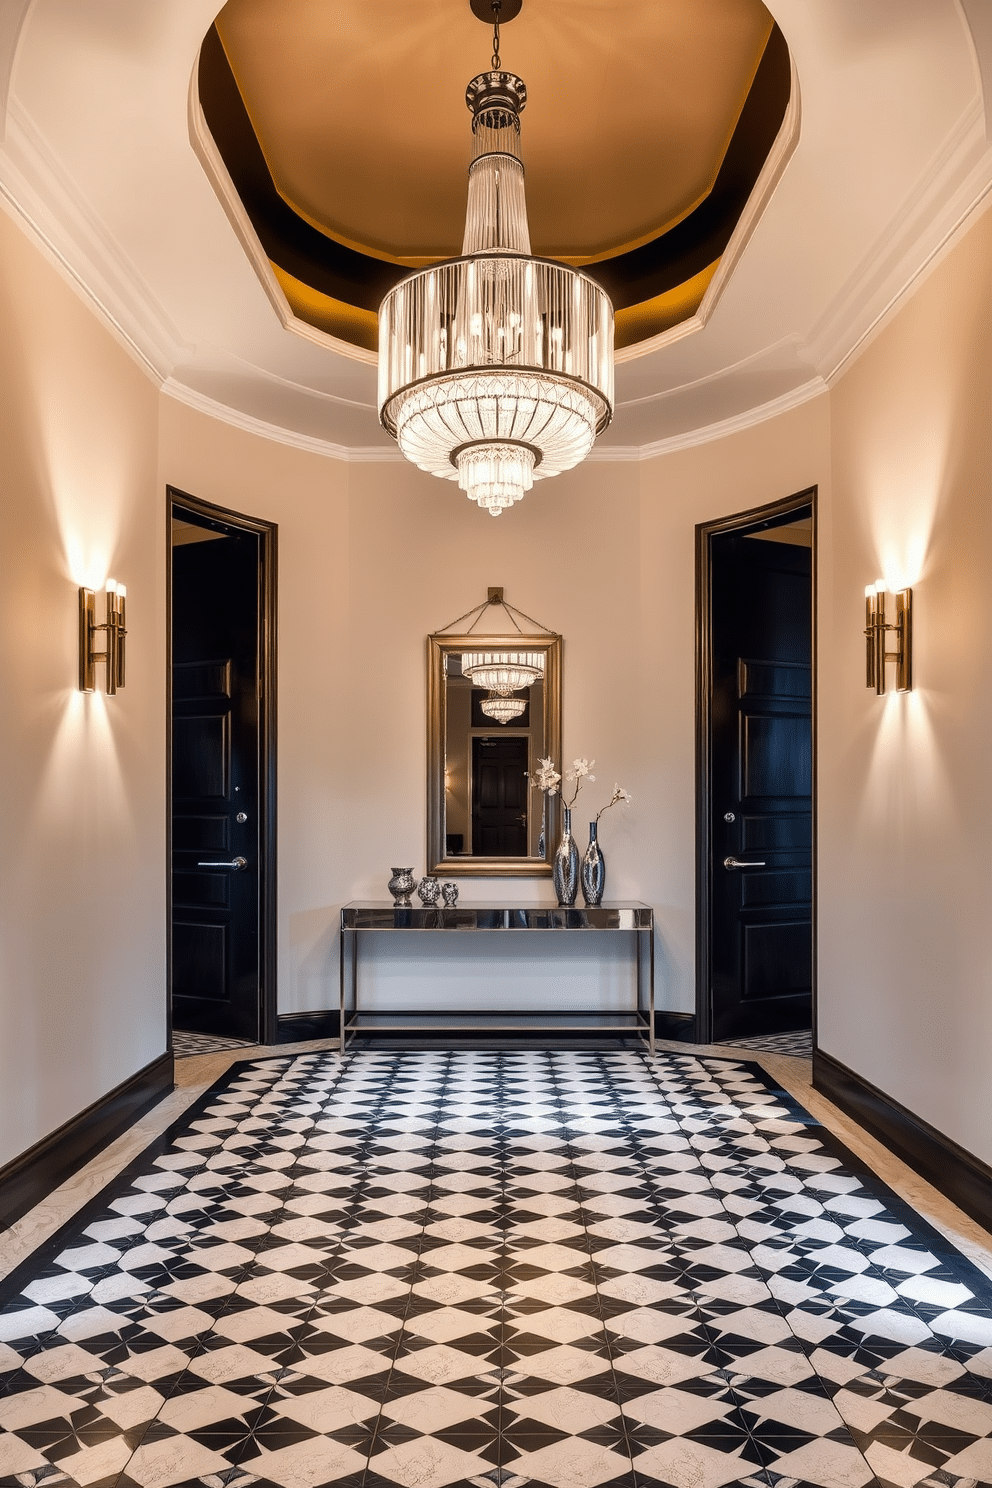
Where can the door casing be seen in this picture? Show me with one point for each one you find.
(267, 533)
(705, 532)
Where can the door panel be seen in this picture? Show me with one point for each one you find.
(777, 757)
(761, 779)
(775, 959)
(199, 956)
(216, 960)
(201, 758)
(499, 796)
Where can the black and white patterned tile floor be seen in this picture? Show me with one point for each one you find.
(799, 1044)
(530, 1270)
(185, 1043)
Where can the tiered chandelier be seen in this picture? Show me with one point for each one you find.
(503, 709)
(503, 672)
(496, 368)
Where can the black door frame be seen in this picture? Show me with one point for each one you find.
(758, 516)
(267, 534)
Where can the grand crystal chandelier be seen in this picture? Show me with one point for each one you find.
(496, 368)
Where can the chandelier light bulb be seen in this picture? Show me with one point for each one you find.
(496, 368)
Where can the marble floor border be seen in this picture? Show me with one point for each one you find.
(196, 1074)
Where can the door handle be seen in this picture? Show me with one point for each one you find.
(730, 863)
(236, 863)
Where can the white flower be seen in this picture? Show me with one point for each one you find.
(622, 795)
(545, 777)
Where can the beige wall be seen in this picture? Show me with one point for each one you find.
(372, 558)
(905, 803)
(82, 789)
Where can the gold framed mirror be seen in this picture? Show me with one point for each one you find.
(483, 818)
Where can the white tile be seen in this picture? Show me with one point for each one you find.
(439, 1363)
(328, 1410)
(160, 1464)
(30, 1406)
(65, 1362)
(571, 1463)
(690, 1464)
(434, 1409)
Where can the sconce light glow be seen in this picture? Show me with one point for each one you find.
(876, 627)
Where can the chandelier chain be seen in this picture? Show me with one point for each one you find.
(496, 56)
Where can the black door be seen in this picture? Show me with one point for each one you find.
(216, 960)
(499, 797)
(761, 782)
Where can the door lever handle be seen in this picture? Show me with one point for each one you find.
(236, 863)
(730, 863)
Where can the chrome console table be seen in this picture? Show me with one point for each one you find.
(632, 918)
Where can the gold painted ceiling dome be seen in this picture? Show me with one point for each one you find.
(340, 126)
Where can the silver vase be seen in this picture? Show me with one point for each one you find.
(565, 868)
(429, 891)
(402, 885)
(593, 869)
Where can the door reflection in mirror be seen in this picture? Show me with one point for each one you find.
(490, 810)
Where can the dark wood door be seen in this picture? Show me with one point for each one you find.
(215, 786)
(761, 773)
(499, 797)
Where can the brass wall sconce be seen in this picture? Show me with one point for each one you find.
(876, 628)
(116, 630)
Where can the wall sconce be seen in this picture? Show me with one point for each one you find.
(876, 627)
(116, 630)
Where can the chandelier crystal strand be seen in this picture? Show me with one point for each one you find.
(496, 368)
(503, 672)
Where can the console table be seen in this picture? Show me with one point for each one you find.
(630, 918)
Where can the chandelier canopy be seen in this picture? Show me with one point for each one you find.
(496, 368)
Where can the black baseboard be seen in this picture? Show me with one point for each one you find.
(956, 1173)
(31, 1177)
(680, 1026)
(291, 1028)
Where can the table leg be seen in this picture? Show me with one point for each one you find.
(650, 934)
(341, 962)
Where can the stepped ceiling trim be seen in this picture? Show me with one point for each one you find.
(887, 175)
(336, 285)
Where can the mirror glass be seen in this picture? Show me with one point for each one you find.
(483, 742)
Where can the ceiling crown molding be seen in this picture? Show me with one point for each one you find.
(206, 151)
(278, 433)
(941, 204)
(36, 191)
(710, 433)
(771, 173)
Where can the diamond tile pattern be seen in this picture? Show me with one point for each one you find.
(504, 1270)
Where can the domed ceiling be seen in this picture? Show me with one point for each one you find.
(343, 128)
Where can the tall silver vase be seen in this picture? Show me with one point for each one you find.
(593, 869)
(565, 868)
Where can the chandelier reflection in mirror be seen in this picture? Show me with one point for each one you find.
(496, 368)
(503, 709)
